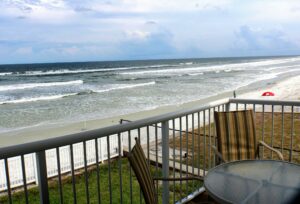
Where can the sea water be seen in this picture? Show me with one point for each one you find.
(36, 94)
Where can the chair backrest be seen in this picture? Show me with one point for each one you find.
(139, 165)
(236, 134)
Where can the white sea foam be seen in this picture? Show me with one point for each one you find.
(78, 71)
(186, 63)
(281, 67)
(225, 67)
(196, 74)
(40, 98)
(260, 78)
(35, 85)
(5, 73)
(287, 71)
(124, 86)
(163, 71)
(62, 71)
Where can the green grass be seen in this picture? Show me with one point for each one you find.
(18, 197)
(33, 193)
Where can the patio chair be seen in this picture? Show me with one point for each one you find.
(236, 137)
(139, 165)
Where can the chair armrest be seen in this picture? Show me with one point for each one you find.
(218, 153)
(272, 149)
(178, 179)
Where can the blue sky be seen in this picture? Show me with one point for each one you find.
(94, 30)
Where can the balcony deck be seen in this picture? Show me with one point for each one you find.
(90, 167)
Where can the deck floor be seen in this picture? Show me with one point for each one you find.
(202, 198)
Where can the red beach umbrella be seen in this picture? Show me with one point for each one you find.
(268, 93)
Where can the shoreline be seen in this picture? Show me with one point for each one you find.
(285, 88)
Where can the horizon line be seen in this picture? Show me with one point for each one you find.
(150, 59)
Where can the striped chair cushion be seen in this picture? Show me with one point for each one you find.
(236, 134)
(138, 163)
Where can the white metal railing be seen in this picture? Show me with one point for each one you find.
(179, 141)
(15, 170)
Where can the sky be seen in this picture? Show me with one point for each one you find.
(34, 31)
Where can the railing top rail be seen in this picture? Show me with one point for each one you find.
(265, 102)
(36, 146)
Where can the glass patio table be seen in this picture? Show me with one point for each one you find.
(254, 181)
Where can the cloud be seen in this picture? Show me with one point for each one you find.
(155, 45)
(275, 11)
(45, 11)
(66, 30)
(150, 23)
(24, 51)
(21, 17)
(83, 9)
(137, 34)
(249, 37)
(71, 50)
(259, 40)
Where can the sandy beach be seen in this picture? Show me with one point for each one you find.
(287, 89)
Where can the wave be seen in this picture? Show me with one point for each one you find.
(225, 67)
(78, 71)
(5, 73)
(40, 98)
(280, 67)
(259, 79)
(62, 72)
(45, 98)
(196, 74)
(36, 85)
(124, 86)
(186, 63)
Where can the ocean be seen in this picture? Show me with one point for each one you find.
(50, 93)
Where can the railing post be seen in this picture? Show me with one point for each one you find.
(165, 160)
(227, 106)
(42, 177)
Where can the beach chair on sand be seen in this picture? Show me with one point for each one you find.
(236, 138)
(139, 165)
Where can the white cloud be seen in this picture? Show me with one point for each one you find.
(28, 3)
(76, 28)
(70, 50)
(137, 34)
(43, 11)
(262, 39)
(172, 6)
(24, 51)
(274, 11)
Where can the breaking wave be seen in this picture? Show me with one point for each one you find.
(216, 68)
(78, 71)
(124, 86)
(36, 85)
(5, 73)
(40, 98)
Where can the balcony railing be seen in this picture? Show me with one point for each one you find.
(89, 167)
